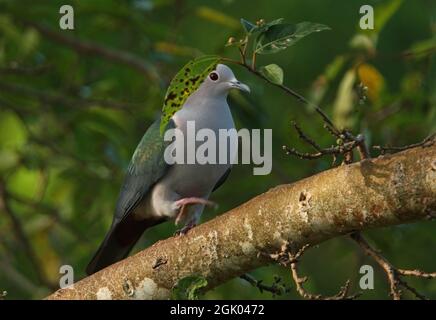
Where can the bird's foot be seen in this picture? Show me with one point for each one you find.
(195, 200)
(185, 202)
(185, 229)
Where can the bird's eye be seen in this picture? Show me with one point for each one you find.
(213, 76)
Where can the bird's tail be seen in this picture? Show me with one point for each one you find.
(118, 242)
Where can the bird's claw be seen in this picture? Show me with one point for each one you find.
(185, 229)
(183, 203)
(195, 200)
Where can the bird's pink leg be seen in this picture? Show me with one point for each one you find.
(183, 203)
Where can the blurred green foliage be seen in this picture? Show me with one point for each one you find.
(71, 116)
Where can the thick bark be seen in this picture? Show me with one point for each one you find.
(385, 191)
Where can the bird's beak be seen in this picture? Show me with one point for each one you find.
(239, 85)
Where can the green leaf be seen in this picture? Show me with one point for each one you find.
(273, 73)
(14, 129)
(343, 116)
(252, 28)
(186, 81)
(189, 288)
(247, 25)
(281, 36)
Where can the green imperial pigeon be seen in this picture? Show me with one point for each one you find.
(154, 191)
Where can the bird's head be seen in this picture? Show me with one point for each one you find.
(221, 80)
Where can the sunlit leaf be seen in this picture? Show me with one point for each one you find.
(273, 73)
(8, 159)
(12, 131)
(281, 36)
(25, 182)
(29, 41)
(372, 79)
(343, 105)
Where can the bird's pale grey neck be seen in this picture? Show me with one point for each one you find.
(207, 112)
(205, 95)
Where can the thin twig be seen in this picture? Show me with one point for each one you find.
(241, 52)
(27, 71)
(304, 137)
(417, 273)
(427, 142)
(289, 258)
(275, 288)
(334, 150)
(393, 274)
(412, 289)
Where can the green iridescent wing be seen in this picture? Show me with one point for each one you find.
(145, 169)
(186, 81)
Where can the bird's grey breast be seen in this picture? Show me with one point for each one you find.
(197, 179)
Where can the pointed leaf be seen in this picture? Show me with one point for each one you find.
(343, 105)
(251, 28)
(281, 36)
(247, 25)
(273, 73)
(186, 81)
(266, 26)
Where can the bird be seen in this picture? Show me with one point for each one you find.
(154, 191)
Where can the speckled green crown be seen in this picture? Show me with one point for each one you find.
(186, 81)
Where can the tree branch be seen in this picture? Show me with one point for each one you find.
(92, 49)
(386, 191)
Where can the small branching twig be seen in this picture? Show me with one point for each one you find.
(277, 288)
(287, 258)
(341, 148)
(417, 273)
(393, 274)
(427, 142)
(305, 138)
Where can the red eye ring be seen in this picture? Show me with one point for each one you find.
(213, 76)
